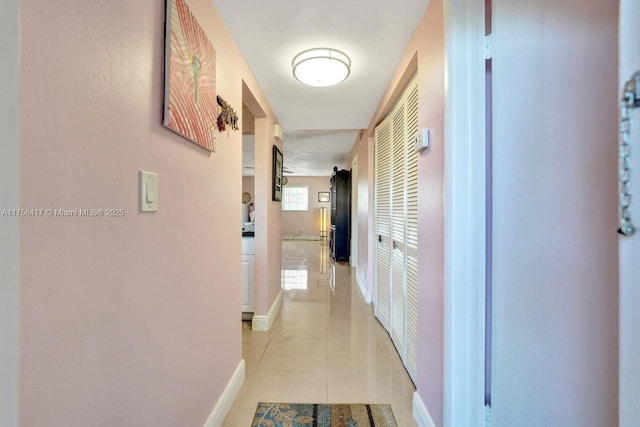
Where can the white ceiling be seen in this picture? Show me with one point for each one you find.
(321, 124)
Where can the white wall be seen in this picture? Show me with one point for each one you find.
(556, 249)
(630, 247)
(9, 198)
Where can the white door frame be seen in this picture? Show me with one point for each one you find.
(630, 246)
(354, 214)
(464, 214)
(9, 226)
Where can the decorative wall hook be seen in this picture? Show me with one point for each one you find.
(227, 116)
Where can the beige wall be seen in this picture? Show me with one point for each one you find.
(128, 321)
(306, 224)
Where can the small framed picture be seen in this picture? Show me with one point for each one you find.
(276, 194)
(324, 196)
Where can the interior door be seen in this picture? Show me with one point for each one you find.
(396, 219)
(398, 278)
(382, 208)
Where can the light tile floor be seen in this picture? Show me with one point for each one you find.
(324, 347)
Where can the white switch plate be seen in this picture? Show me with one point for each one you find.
(148, 191)
(422, 140)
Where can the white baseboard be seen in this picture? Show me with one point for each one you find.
(301, 238)
(363, 289)
(229, 394)
(420, 413)
(263, 323)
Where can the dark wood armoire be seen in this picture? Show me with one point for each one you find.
(340, 231)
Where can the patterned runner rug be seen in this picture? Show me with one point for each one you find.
(322, 415)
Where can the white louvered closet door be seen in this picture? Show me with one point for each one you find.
(398, 209)
(396, 219)
(382, 212)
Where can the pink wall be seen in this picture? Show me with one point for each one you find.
(555, 275)
(555, 197)
(248, 185)
(428, 45)
(429, 41)
(307, 223)
(268, 240)
(124, 321)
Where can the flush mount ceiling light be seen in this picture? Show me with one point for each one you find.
(321, 67)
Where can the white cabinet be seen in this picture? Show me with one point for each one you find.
(247, 274)
(247, 283)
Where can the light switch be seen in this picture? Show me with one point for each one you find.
(150, 195)
(148, 191)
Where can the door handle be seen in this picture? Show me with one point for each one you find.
(380, 238)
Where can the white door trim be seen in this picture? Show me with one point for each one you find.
(464, 214)
(10, 225)
(629, 387)
(354, 214)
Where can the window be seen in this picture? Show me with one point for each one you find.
(294, 280)
(295, 198)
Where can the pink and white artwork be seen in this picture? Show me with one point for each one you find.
(190, 106)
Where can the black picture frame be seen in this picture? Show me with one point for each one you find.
(276, 193)
(324, 196)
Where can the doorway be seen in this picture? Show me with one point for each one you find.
(248, 213)
(256, 134)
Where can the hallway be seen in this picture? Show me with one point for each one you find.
(325, 345)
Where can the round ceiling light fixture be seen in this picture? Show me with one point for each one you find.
(321, 67)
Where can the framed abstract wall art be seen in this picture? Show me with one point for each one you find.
(190, 105)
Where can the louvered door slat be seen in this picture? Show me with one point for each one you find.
(398, 287)
(412, 317)
(412, 166)
(398, 301)
(398, 175)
